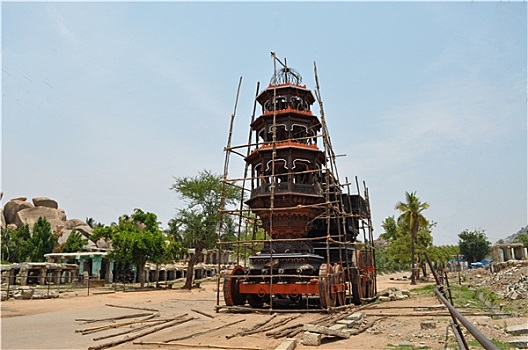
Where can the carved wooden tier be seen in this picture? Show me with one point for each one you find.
(290, 160)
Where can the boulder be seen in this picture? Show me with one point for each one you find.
(12, 207)
(2, 219)
(45, 202)
(62, 214)
(85, 230)
(31, 215)
(74, 223)
(24, 294)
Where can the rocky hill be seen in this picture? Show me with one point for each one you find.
(18, 212)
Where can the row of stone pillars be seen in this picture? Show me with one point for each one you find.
(31, 274)
(512, 251)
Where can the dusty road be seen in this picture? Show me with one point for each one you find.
(51, 323)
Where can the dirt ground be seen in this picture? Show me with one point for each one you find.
(52, 323)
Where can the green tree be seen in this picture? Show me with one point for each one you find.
(16, 244)
(75, 242)
(5, 247)
(521, 238)
(136, 238)
(440, 255)
(412, 219)
(21, 244)
(92, 223)
(391, 229)
(474, 245)
(199, 221)
(42, 240)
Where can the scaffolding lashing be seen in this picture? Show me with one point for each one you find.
(303, 241)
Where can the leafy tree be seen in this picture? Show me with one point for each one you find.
(92, 223)
(391, 229)
(474, 245)
(75, 242)
(22, 244)
(440, 255)
(16, 244)
(385, 262)
(5, 246)
(43, 240)
(136, 238)
(412, 219)
(400, 248)
(521, 238)
(198, 223)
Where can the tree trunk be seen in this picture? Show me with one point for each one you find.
(190, 267)
(424, 268)
(157, 275)
(414, 230)
(141, 272)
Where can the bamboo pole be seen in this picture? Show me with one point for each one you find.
(155, 323)
(110, 326)
(132, 307)
(202, 313)
(91, 320)
(125, 340)
(203, 332)
(208, 346)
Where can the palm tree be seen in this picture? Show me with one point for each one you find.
(411, 217)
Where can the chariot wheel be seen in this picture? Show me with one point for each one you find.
(339, 280)
(255, 301)
(327, 297)
(232, 295)
(359, 288)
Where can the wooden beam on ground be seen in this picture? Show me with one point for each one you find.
(112, 325)
(156, 323)
(133, 307)
(202, 313)
(134, 337)
(187, 345)
(205, 331)
(92, 320)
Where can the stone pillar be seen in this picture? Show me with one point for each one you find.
(23, 276)
(507, 253)
(57, 275)
(96, 266)
(496, 255)
(109, 276)
(43, 276)
(81, 264)
(65, 277)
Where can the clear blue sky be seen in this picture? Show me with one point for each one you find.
(104, 103)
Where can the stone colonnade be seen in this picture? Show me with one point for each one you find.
(512, 251)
